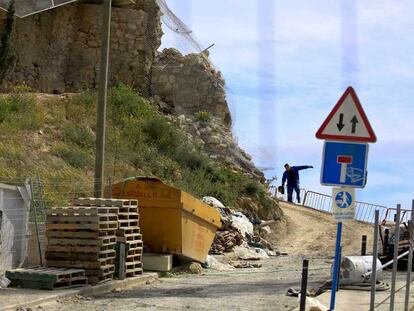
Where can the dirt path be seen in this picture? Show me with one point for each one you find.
(311, 232)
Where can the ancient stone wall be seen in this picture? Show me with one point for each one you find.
(189, 84)
(41, 44)
(58, 50)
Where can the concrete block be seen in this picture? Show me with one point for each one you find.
(157, 262)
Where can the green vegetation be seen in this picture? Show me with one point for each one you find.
(203, 116)
(55, 139)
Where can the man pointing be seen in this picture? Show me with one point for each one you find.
(291, 174)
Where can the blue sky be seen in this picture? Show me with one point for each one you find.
(286, 63)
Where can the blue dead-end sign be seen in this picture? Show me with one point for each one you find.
(344, 164)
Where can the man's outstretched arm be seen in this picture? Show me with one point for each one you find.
(303, 167)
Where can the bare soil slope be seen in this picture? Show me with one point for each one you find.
(311, 232)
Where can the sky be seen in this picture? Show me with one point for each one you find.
(286, 64)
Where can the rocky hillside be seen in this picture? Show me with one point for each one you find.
(53, 136)
(178, 128)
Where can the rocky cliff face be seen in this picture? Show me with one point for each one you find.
(189, 84)
(189, 87)
(59, 51)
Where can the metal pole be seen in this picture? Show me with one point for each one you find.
(336, 264)
(338, 272)
(110, 182)
(39, 248)
(374, 263)
(395, 263)
(103, 88)
(303, 287)
(410, 259)
(364, 245)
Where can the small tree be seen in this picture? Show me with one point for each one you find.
(6, 52)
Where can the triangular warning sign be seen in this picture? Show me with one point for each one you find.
(347, 121)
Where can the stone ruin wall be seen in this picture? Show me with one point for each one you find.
(59, 50)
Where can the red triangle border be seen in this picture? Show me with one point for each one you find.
(372, 137)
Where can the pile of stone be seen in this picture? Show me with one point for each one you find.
(236, 230)
(228, 236)
(225, 241)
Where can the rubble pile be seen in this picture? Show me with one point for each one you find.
(228, 236)
(225, 241)
(237, 232)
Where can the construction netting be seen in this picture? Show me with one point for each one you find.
(185, 37)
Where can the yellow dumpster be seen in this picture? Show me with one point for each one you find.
(171, 220)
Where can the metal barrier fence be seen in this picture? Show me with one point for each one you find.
(363, 211)
(276, 194)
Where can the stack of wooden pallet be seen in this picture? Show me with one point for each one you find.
(47, 278)
(129, 240)
(83, 236)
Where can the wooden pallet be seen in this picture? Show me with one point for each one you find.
(130, 249)
(47, 278)
(73, 256)
(134, 258)
(131, 230)
(129, 238)
(87, 226)
(81, 234)
(135, 251)
(79, 282)
(136, 244)
(79, 248)
(134, 272)
(133, 265)
(127, 223)
(101, 272)
(82, 211)
(132, 261)
(45, 274)
(99, 242)
(128, 216)
(129, 209)
(81, 218)
(81, 264)
(104, 202)
(102, 275)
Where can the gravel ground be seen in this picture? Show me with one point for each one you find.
(242, 289)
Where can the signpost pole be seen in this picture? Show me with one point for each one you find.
(336, 266)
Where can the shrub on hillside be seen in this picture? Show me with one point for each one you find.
(163, 135)
(21, 112)
(79, 135)
(74, 156)
(203, 116)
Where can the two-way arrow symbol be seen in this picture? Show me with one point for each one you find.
(354, 122)
(341, 123)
